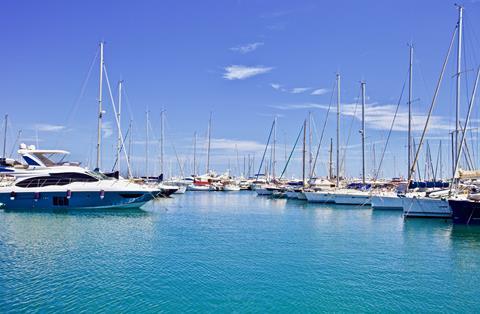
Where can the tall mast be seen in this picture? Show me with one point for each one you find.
(209, 139)
(330, 163)
(459, 69)
(274, 146)
(100, 110)
(410, 90)
(363, 131)
(5, 137)
(146, 145)
(338, 131)
(304, 150)
(195, 153)
(310, 139)
(162, 139)
(130, 143)
(119, 134)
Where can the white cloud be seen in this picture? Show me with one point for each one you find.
(299, 90)
(320, 91)
(107, 129)
(295, 90)
(241, 145)
(379, 117)
(247, 48)
(241, 72)
(49, 127)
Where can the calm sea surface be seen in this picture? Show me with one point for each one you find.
(221, 252)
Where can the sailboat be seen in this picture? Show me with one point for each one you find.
(353, 196)
(436, 204)
(391, 200)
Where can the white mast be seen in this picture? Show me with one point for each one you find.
(100, 110)
(459, 69)
(119, 134)
(410, 86)
(130, 145)
(310, 139)
(162, 139)
(274, 146)
(338, 130)
(195, 153)
(363, 131)
(5, 137)
(304, 151)
(209, 139)
(146, 146)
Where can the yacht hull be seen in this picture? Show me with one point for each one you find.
(424, 207)
(465, 212)
(49, 201)
(319, 197)
(351, 199)
(391, 202)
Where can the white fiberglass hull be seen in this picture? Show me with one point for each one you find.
(352, 198)
(231, 188)
(426, 207)
(391, 201)
(319, 197)
(198, 188)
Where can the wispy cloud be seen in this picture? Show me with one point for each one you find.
(232, 144)
(241, 72)
(299, 90)
(247, 48)
(49, 127)
(320, 91)
(379, 116)
(107, 128)
(295, 90)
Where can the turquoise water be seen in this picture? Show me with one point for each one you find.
(220, 252)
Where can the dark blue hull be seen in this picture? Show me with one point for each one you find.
(51, 201)
(465, 212)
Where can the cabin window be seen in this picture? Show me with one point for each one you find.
(60, 201)
(56, 179)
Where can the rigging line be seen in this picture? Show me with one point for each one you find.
(436, 165)
(19, 134)
(129, 106)
(178, 161)
(121, 148)
(291, 153)
(266, 147)
(166, 126)
(117, 121)
(377, 171)
(434, 100)
(342, 163)
(74, 108)
(324, 126)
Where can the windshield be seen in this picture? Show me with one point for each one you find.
(99, 175)
(51, 159)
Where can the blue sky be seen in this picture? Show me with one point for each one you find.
(244, 61)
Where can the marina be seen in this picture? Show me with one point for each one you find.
(165, 164)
